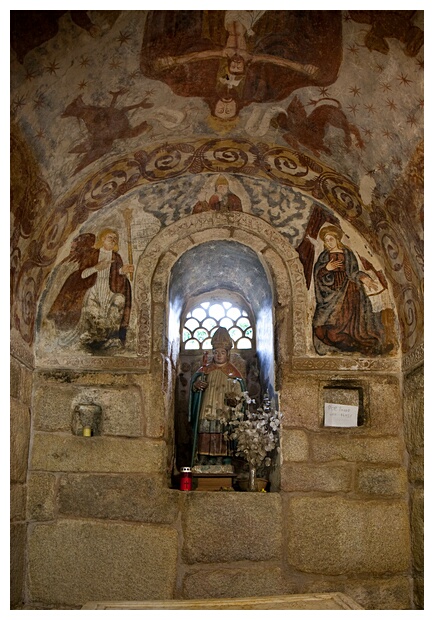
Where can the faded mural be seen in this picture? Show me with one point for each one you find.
(93, 310)
(125, 122)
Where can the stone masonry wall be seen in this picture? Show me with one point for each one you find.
(414, 432)
(104, 524)
(20, 395)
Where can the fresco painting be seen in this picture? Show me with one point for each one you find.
(94, 304)
(241, 56)
(296, 90)
(351, 306)
(344, 318)
(222, 201)
(104, 125)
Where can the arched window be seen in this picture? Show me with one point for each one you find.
(202, 320)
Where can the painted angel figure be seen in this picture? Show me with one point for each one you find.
(94, 304)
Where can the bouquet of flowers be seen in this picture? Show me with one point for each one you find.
(254, 430)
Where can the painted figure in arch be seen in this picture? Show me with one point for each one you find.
(223, 200)
(213, 388)
(94, 304)
(344, 319)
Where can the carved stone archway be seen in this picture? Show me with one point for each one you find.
(277, 255)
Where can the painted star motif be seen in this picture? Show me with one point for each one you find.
(82, 85)
(39, 102)
(396, 161)
(387, 134)
(420, 103)
(134, 74)
(353, 49)
(115, 63)
(19, 102)
(347, 17)
(369, 107)
(385, 86)
(404, 80)
(391, 104)
(124, 37)
(324, 92)
(420, 63)
(381, 167)
(84, 61)
(353, 108)
(411, 120)
(52, 67)
(379, 67)
(355, 90)
(367, 132)
(369, 172)
(30, 74)
(40, 134)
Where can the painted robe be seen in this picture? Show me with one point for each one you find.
(344, 319)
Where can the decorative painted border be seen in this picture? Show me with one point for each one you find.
(344, 364)
(413, 359)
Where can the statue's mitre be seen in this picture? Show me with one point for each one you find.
(221, 338)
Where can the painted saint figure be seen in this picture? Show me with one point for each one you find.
(223, 200)
(213, 387)
(344, 319)
(94, 304)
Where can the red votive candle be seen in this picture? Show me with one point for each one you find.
(186, 482)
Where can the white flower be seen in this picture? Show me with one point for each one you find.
(256, 432)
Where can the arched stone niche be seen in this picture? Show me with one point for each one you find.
(155, 334)
(160, 307)
(216, 271)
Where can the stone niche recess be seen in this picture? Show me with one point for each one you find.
(346, 394)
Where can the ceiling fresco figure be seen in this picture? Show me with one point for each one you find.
(234, 58)
(94, 304)
(30, 29)
(105, 124)
(309, 130)
(390, 24)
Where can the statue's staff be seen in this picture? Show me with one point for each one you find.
(127, 213)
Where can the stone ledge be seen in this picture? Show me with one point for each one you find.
(333, 600)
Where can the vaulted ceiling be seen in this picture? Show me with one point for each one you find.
(139, 108)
